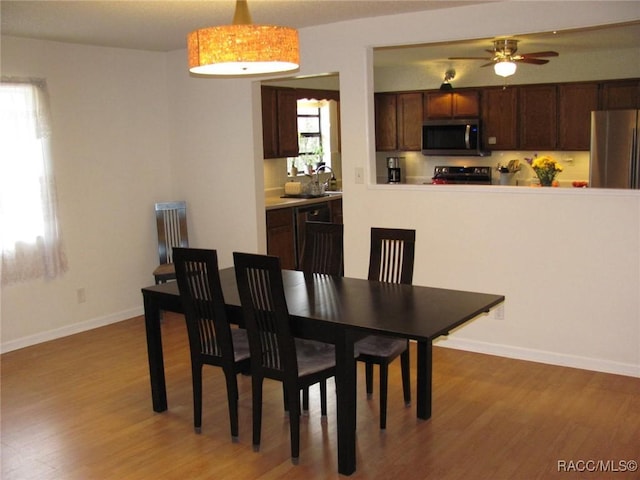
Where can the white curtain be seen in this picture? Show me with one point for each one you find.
(29, 231)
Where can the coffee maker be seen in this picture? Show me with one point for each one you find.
(393, 169)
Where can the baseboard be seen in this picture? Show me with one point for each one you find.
(541, 356)
(69, 330)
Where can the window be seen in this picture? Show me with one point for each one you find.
(29, 234)
(314, 136)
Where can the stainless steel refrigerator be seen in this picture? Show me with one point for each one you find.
(615, 149)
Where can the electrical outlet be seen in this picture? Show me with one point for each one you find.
(498, 312)
(82, 295)
(359, 175)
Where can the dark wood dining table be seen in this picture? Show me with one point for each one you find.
(338, 310)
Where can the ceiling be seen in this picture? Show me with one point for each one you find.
(162, 25)
(611, 37)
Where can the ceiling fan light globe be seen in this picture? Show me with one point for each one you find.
(505, 68)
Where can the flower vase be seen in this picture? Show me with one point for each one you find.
(546, 181)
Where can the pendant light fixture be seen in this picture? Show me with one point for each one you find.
(243, 48)
(505, 68)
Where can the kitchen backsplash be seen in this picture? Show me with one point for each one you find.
(275, 171)
(418, 168)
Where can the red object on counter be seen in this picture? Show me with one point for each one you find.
(439, 181)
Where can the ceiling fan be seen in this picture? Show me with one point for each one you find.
(504, 57)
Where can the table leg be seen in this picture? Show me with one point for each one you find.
(425, 370)
(346, 403)
(154, 350)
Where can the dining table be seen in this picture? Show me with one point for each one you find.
(340, 311)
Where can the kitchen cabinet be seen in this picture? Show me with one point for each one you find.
(281, 236)
(575, 103)
(500, 118)
(279, 122)
(460, 104)
(538, 117)
(398, 119)
(386, 123)
(409, 118)
(525, 117)
(620, 95)
(336, 210)
(286, 227)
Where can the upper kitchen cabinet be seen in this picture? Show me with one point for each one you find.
(409, 107)
(398, 119)
(500, 118)
(279, 122)
(575, 103)
(460, 104)
(386, 121)
(538, 117)
(620, 95)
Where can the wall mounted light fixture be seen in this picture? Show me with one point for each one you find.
(448, 75)
(243, 48)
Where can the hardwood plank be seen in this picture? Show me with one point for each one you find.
(80, 408)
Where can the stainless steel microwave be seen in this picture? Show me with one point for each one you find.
(461, 137)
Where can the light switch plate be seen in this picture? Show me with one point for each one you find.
(359, 175)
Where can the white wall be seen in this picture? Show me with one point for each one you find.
(568, 261)
(111, 158)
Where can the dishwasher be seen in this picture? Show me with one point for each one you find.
(319, 212)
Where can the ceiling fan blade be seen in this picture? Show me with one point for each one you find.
(469, 58)
(540, 54)
(488, 64)
(534, 61)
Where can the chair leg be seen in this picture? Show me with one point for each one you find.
(196, 380)
(384, 380)
(323, 398)
(406, 376)
(293, 400)
(256, 394)
(232, 398)
(305, 400)
(285, 398)
(369, 378)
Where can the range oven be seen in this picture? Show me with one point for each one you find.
(444, 175)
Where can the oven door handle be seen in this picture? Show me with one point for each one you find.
(467, 135)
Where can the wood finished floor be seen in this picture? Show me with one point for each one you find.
(79, 408)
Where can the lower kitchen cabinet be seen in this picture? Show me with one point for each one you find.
(285, 228)
(281, 236)
(336, 210)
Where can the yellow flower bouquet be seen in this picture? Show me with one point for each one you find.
(546, 168)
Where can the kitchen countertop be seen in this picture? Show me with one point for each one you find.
(273, 202)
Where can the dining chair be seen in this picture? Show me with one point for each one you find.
(390, 260)
(322, 253)
(212, 341)
(275, 353)
(323, 248)
(171, 222)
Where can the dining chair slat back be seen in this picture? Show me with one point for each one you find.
(171, 225)
(323, 248)
(392, 254)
